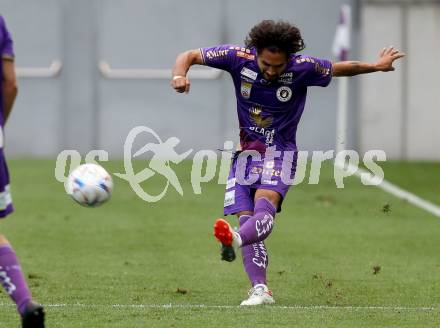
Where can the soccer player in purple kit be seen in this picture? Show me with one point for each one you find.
(11, 275)
(271, 82)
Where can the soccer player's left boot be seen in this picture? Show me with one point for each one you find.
(229, 239)
(33, 316)
(258, 295)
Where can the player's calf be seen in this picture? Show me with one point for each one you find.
(14, 284)
(258, 227)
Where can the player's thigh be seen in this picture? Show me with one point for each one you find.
(238, 197)
(273, 196)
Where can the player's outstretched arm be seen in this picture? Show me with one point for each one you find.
(9, 86)
(384, 64)
(184, 61)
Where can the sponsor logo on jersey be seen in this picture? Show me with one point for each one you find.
(245, 89)
(286, 78)
(285, 81)
(244, 78)
(305, 59)
(267, 133)
(286, 75)
(265, 171)
(284, 94)
(255, 115)
(249, 73)
(229, 198)
(261, 123)
(245, 55)
(248, 51)
(231, 183)
(216, 53)
(321, 69)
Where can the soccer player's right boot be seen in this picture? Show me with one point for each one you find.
(258, 295)
(33, 316)
(229, 239)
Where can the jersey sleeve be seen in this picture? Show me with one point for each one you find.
(314, 71)
(223, 57)
(6, 46)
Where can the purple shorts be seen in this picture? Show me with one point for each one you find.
(5, 195)
(247, 176)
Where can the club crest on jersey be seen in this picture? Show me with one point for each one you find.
(249, 73)
(284, 94)
(245, 89)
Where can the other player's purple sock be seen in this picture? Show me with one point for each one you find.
(258, 227)
(255, 258)
(12, 279)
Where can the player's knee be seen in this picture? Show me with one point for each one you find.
(244, 213)
(272, 196)
(3, 240)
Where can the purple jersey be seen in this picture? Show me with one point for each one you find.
(7, 53)
(7, 49)
(268, 111)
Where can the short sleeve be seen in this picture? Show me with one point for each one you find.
(6, 46)
(314, 71)
(222, 57)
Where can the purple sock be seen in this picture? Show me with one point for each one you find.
(258, 227)
(12, 278)
(255, 258)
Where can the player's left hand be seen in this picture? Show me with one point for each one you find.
(386, 58)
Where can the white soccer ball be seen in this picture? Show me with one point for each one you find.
(89, 185)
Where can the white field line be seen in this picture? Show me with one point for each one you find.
(204, 306)
(398, 192)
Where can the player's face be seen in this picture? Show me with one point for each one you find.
(272, 64)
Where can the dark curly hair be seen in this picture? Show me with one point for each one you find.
(277, 36)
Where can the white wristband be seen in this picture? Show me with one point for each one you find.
(178, 77)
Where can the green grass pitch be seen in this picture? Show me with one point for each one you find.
(356, 257)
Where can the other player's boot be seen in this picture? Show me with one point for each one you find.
(229, 239)
(258, 295)
(33, 316)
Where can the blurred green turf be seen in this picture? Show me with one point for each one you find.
(323, 251)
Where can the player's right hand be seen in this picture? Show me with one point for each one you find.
(180, 84)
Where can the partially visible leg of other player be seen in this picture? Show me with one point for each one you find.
(14, 283)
